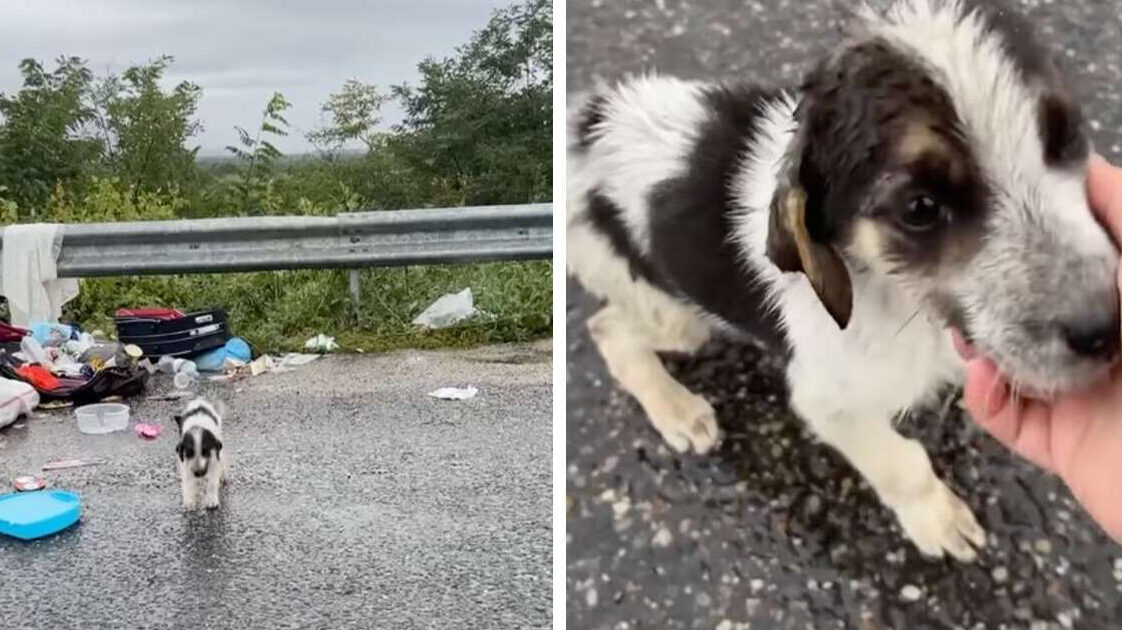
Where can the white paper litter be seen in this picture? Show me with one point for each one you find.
(447, 310)
(454, 393)
(293, 359)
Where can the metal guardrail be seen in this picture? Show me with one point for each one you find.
(353, 240)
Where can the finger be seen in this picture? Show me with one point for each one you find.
(1021, 425)
(1104, 191)
(986, 391)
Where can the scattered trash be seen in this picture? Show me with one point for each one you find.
(238, 348)
(28, 483)
(32, 515)
(78, 347)
(447, 310)
(49, 334)
(12, 334)
(454, 393)
(296, 360)
(102, 418)
(261, 365)
(56, 404)
(39, 376)
(73, 463)
(184, 371)
(33, 351)
(216, 360)
(16, 399)
(321, 343)
(148, 430)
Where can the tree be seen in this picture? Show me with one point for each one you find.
(42, 144)
(259, 155)
(353, 114)
(478, 125)
(145, 130)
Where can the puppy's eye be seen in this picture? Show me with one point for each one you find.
(923, 213)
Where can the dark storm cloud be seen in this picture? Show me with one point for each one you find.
(241, 51)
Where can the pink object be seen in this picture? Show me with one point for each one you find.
(148, 431)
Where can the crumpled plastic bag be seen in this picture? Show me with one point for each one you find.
(447, 310)
(321, 343)
(16, 399)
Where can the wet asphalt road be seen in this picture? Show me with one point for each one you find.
(775, 530)
(356, 502)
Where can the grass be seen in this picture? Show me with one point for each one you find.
(278, 311)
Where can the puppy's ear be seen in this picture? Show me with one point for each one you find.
(791, 248)
(179, 449)
(178, 421)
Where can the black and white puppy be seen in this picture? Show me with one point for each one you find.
(926, 181)
(203, 466)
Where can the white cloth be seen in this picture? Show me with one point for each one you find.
(16, 399)
(29, 273)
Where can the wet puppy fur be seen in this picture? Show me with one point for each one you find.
(203, 466)
(928, 176)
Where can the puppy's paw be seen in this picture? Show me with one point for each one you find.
(939, 522)
(190, 504)
(211, 502)
(687, 422)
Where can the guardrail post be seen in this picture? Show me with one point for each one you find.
(355, 278)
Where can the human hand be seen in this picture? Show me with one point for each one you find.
(1078, 436)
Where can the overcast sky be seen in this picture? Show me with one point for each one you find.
(241, 51)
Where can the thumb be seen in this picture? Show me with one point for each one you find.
(1023, 426)
(1104, 192)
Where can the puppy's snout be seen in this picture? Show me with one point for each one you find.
(199, 472)
(1094, 335)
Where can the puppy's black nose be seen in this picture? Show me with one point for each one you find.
(200, 473)
(1094, 338)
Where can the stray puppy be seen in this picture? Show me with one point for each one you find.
(924, 189)
(201, 462)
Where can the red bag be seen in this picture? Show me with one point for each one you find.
(39, 376)
(151, 313)
(10, 333)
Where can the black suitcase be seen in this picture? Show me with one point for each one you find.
(194, 333)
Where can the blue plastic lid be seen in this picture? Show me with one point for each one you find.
(31, 515)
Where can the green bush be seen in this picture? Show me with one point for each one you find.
(277, 311)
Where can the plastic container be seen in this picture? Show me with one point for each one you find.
(102, 418)
(186, 375)
(31, 515)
